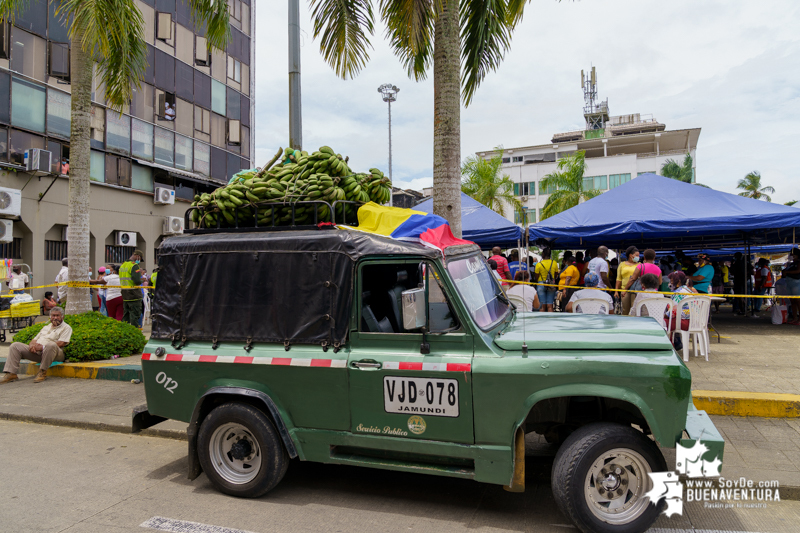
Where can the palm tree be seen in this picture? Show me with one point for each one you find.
(791, 202)
(483, 181)
(445, 34)
(567, 185)
(751, 187)
(672, 169)
(111, 34)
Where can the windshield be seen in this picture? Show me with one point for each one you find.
(479, 290)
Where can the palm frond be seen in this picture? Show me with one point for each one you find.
(112, 30)
(344, 26)
(207, 14)
(10, 9)
(768, 189)
(485, 38)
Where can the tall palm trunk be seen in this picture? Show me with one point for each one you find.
(447, 116)
(80, 160)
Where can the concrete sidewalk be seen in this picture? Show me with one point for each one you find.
(756, 448)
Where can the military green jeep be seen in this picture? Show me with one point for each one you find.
(343, 347)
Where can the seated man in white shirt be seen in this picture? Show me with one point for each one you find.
(591, 279)
(45, 348)
(649, 285)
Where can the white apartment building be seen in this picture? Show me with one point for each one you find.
(628, 146)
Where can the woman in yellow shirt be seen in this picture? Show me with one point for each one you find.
(626, 269)
(570, 276)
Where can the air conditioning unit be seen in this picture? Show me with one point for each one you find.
(38, 161)
(6, 230)
(172, 226)
(10, 202)
(523, 198)
(125, 238)
(164, 196)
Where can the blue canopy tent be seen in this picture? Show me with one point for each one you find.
(481, 225)
(724, 254)
(652, 211)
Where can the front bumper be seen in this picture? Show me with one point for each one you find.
(699, 427)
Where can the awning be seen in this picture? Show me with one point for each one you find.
(199, 178)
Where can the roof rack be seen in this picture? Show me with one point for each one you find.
(244, 222)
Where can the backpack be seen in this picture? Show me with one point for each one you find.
(552, 279)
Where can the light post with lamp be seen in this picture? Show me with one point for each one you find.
(389, 95)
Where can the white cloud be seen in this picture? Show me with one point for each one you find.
(726, 67)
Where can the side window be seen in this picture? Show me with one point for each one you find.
(382, 287)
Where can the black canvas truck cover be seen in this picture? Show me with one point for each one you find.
(281, 286)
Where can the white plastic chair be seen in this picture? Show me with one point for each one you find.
(517, 300)
(699, 308)
(591, 306)
(657, 308)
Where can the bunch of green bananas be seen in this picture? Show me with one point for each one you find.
(267, 194)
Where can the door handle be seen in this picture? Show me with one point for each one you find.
(365, 364)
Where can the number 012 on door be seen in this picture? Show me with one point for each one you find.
(425, 396)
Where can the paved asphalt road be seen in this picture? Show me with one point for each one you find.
(58, 479)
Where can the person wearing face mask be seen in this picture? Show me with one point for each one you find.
(130, 275)
(624, 273)
(46, 347)
(703, 275)
(648, 266)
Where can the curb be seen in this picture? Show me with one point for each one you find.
(92, 370)
(95, 426)
(760, 404)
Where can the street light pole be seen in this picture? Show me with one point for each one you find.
(295, 109)
(389, 95)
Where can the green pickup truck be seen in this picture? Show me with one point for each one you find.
(339, 346)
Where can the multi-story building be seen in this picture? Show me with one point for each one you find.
(618, 148)
(186, 130)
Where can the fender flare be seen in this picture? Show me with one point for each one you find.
(250, 393)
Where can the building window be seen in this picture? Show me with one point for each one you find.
(28, 54)
(506, 160)
(202, 57)
(165, 71)
(59, 113)
(57, 22)
(184, 44)
(97, 133)
(13, 250)
(142, 178)
(528, 216)
(522, 189)
(184, 116)
(202, 123)
(118, 171)
(596, 182)
(5, 96)
(546, 190)
(218, 97)
(184, 81)
(202, 158)
(3, 144)
(59, 61)
(235, 9)
(22, 141)
(234, 70)
(234, 104)
(97, 167)
(516, 159)
(27, 105)
(118, 254)
(33, 17)
(202, 89)
(183, 152)
(98, 86)
(165, 112)
(246, 80)
(118, 132)
(246, 141)
(218, 127)
(615, 180)
(55, 250)
(218, 65)
(164, 26)
(142, 102)
(142, 140)
(164, 147)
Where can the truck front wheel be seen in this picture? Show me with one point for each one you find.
(600, 478)
(240, 451)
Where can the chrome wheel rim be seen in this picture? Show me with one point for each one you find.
(235, 453)
(616, 485)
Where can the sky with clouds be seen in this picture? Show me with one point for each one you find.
(728, 67)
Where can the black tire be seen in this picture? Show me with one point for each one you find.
(581, 500)
(258, 446)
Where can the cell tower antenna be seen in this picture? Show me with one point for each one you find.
(595, 111)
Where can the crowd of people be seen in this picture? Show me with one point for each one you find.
(579, 275)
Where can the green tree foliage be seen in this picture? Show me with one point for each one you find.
(567, 183)
(94, 337)
(791, 202)
(752, 188)
(482, 180)
(672, 169)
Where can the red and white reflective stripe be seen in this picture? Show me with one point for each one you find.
(248, 360)
(430, 367)
(307, 362)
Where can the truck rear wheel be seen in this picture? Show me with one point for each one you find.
(240, 451)
(600, 478)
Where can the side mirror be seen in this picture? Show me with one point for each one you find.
(414, 309)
